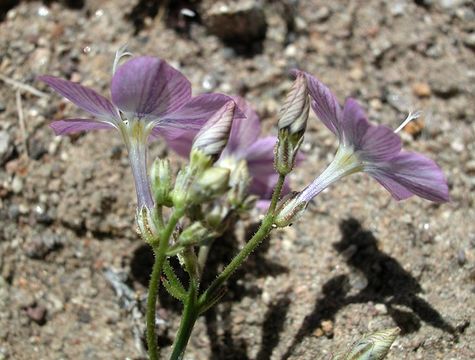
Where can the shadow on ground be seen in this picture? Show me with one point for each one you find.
(387, 283)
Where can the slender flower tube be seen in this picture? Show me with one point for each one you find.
(374, 149)
(149, 98)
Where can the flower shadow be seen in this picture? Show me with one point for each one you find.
(387, 282)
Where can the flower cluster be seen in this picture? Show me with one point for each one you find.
(364, 147)
(230, 166)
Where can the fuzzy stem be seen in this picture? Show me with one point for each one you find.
(160, 255)
(188, 319)
(251, 245)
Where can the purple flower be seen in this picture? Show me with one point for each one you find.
(149, 98)
(374, 149)
(244, 143)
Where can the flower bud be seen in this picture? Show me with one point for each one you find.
(212, 183)
(193, 234)
(213, 137)
(161, 181)
(289, 209)
(239, 182)
(373, 346)
(147, 227)
(294, 113)
(286, 151)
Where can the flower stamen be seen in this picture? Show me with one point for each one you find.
(411, 116)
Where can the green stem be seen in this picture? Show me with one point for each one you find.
(250, 246)
(160, 255)
(188, 319)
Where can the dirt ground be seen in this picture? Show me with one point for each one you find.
(73, 271)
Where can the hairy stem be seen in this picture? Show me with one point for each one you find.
(160, 255)
(250, 246)
(188, 319)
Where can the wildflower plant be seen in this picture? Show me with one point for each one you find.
(230, 172)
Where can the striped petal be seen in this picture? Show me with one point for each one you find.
(83, 97)
(148, 87)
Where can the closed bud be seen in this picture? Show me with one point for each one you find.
(239, 183)
(373, 346)
(147, 227)
(294, 113)
(210, 184)
(161, 176)
(193, 234)
(213, 137)
(289, 209)
(286, 151)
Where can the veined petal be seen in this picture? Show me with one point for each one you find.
(260, 155)
(149, 87)
(191, 117)
(379, 143)
(83, 97)
(67, 126)
(245, 131)
(370, 142)
(324, 104)
(410, 173)
(354, 124)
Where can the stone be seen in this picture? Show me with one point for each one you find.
(6, 147)
(421, 90)
(36, 313)
(235, 21)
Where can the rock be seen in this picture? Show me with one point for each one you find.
(327, 327)
(36, 313)
(17, 185)
(421, 90)
(6, 147)
(235, 21)
(37, 247)
(469, 40)
(450, 4)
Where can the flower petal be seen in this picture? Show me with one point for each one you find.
(67, 126)
(149, 87)
(85, 98)
(245, 131)
(192, 116)
(260, 155)
(324, 104)
(411, 173)
(372, 142)
(180, 128)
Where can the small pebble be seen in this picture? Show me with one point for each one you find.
(421, 90)
(17, 185)
(36, 313)
(461, 257)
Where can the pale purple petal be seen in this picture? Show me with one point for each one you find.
(354, 124)
(149, 87)
(261, 153)
(245, 131)
(85, 98)
(68, 126)
(371, 142)
(411, 173)
(192, 116)
(181, 144)
(380, 143)
(324, 104)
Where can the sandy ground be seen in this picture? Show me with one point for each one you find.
(356, 262)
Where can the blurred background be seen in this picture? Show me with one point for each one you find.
(73, 271)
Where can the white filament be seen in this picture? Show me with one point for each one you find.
(411, 116)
